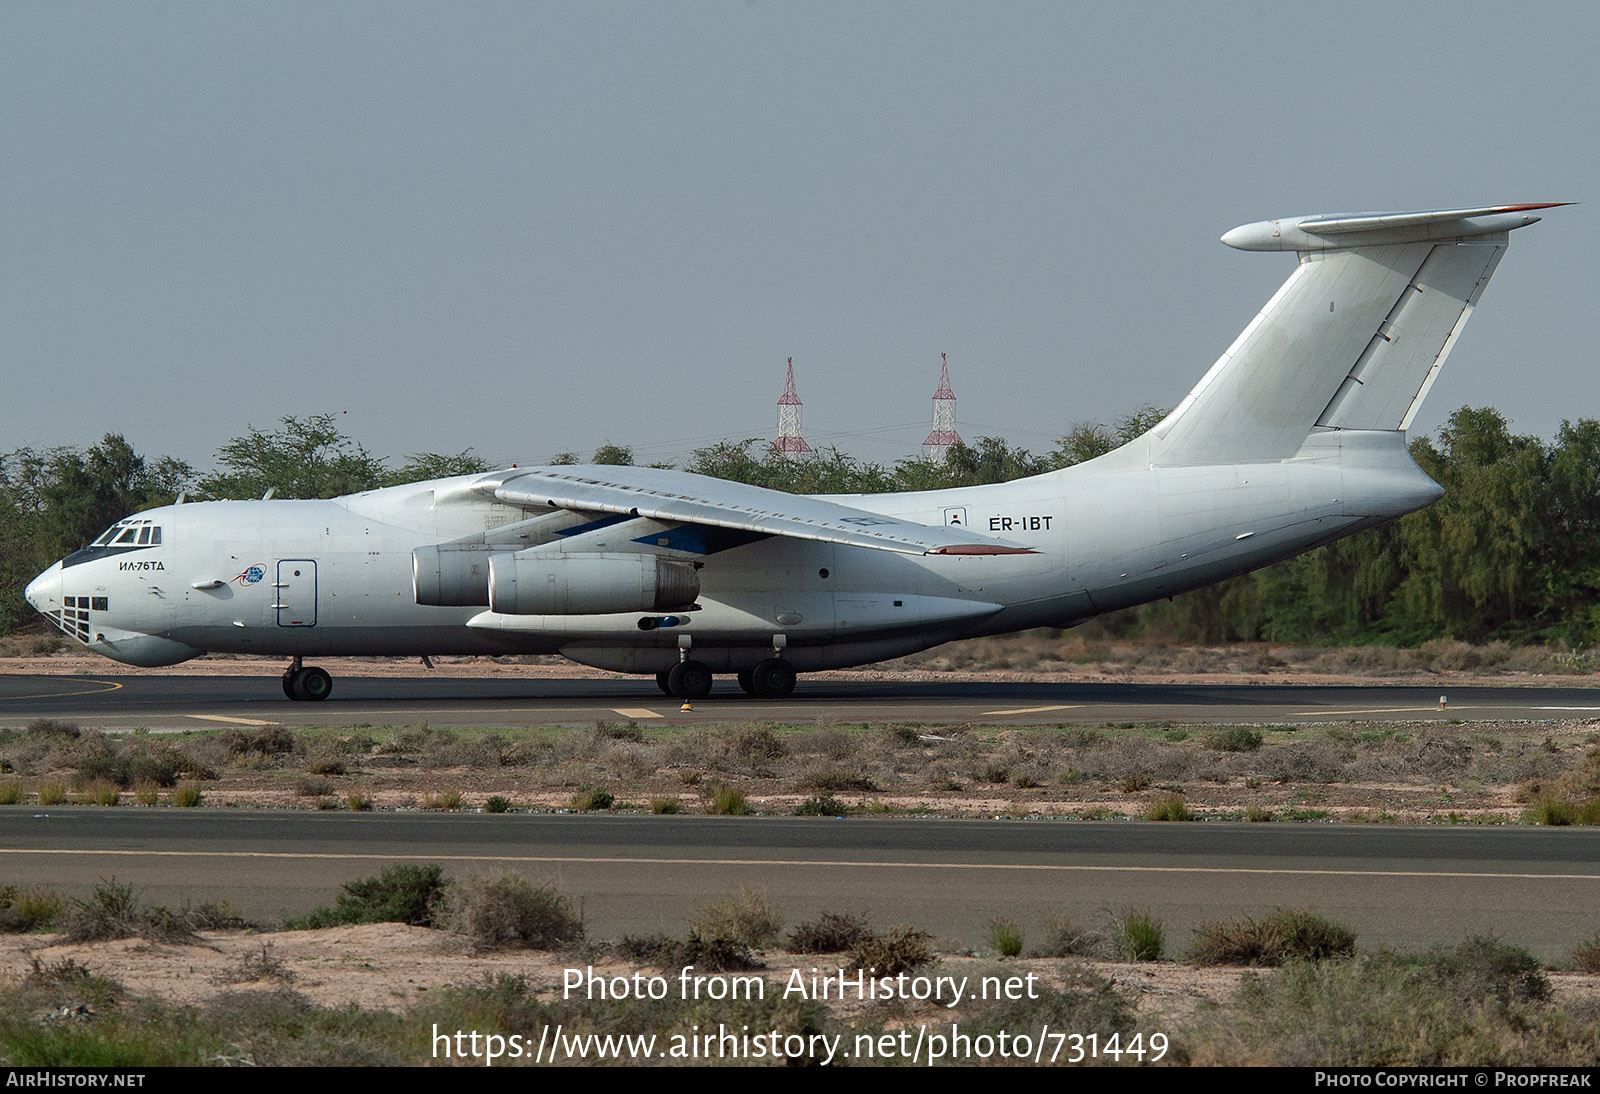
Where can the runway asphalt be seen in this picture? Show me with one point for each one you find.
(197, 702)
(1408, 887)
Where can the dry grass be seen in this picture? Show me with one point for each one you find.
(509, 912)
(1282, 935)
(747, 916)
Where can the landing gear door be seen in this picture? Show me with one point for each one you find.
(296, 589)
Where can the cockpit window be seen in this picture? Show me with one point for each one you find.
(130, 533)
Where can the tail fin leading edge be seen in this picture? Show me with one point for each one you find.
(1353, 340)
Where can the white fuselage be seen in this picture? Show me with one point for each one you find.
(304, 578)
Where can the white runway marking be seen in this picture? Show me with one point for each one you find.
(1379, 710)
(830, 864)
(635, 712)
(227, 718)
(1028, 710)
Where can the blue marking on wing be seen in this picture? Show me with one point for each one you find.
(603, 522)
(701, 539)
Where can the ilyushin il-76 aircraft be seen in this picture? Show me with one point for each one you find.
(1295, 437)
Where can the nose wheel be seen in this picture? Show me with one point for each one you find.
(307, 685)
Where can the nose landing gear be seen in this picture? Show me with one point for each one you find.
(306, 685)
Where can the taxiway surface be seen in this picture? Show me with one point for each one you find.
(198, 702)
(636, 875)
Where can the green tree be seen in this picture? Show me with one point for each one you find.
(434, 465)
(56, 500)
(613, 454)
(307, 458)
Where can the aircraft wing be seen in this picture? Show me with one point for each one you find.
(685, 498)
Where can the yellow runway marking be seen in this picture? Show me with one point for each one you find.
(830, 864)
(108, 685)
(635, 712)
(1028, 710)
(226, 718)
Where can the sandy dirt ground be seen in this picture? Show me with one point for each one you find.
(391, 966)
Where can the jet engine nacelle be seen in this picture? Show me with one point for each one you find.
(451, 575)
(532, 583)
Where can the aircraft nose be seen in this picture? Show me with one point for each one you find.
(44, 591)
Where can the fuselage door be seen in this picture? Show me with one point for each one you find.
(296, 589)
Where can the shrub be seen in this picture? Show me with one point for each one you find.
(752, 749)
(28, 909)
(830, 933)
(50, 792)
(901, 950)
(1586, 955)
(1549, 810)
(1139, 936)
(112, 911)
(324, 762)
(76, 980)
(1169, 807)
(591, 798)
(1484, 967)
(1087, 1003)
(1135, 781)
(665, 805)
(146, 793)
(1258, 814)
(148, 767)
(726, 801)
(1281, 935)
(102, 769)
(312, 788)
(1005, 937)
(262, 740)
(748, 917)
(358, 802)
(706, 955)
(51, 727)
(833, 779)
(711, 954)
(1235, 739)
(403, 893)
(497, 803)
(12, 792)
(328, 803)
(99, 792)
(613, 731)
(1064, 938)
(820, 807)
(186, 795)
(442, 800)
(509, 911)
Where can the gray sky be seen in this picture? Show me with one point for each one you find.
(533, 227)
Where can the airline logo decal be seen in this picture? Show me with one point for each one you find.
(251, 575)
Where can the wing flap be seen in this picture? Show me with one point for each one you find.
(685, 498)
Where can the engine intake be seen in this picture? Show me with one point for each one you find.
(589, 584)
(451, 575)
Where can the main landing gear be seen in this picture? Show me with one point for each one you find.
(306, 684)
(771, 679)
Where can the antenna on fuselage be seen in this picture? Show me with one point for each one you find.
(271, 490)
(182, 497)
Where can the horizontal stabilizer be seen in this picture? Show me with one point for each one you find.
(1333, 232)
(685, 498)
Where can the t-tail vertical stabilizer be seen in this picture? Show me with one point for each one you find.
(1352, 341)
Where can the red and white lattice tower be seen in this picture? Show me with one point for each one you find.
(789, 443)
(944, 417)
